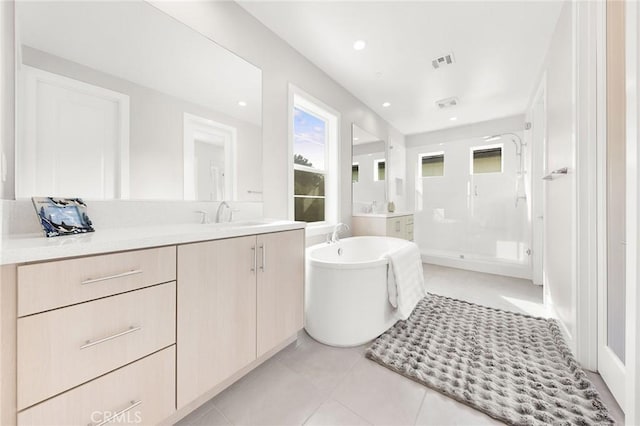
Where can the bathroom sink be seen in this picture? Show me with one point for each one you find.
(237, 224)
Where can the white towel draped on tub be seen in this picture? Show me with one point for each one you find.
(405, 280)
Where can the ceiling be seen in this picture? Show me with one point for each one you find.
(137, 42)
(499, 49)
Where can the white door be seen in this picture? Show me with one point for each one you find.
(70, 129)
(538, 149)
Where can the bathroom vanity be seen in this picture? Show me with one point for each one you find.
(398, 225)
(145, 327)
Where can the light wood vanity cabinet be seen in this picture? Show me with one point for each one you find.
(216, 314)
(50, 285)
(237, 299)
(139, 393)
(397, 226)
(280, 288)
(145, 335)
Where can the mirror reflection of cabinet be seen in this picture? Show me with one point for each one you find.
(103, 91)
(369, 171)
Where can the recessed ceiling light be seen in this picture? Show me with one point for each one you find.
(242, 103)
(359, 44)
(453, 118)
(386, 104)
(356, 139)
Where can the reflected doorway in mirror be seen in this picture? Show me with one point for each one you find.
(209, 159)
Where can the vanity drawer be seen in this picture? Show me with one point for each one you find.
(146, 387)
(63, 348)
(50, 285)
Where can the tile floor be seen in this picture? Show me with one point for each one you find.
(313, 384)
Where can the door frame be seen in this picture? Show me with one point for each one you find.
(632, 354)
(609, 365)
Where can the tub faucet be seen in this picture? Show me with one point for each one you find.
(335, 237)
(222, 205)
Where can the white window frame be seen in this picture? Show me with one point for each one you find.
(375, 169)
(480, 148)
(433, 154)
(302, 100)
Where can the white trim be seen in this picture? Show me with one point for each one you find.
(585, 145)
(538, 158)
(632, 355)
(609, 365)
(28, 78)
(488, 266)
(193, 124)
(300, 98)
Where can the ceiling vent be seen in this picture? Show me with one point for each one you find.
(448, 103)
(443, 61)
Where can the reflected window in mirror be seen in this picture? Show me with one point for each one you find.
(432, 164)
(314, 157)
(355, 172)
(379, 170)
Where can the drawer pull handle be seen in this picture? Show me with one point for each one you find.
(112, 277)
(263, 247)
(106, 339)
(114, 416)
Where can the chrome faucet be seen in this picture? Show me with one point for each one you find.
(222, 205)
(335, 237)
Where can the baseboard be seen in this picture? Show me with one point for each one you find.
(566, 334)
(477, 265)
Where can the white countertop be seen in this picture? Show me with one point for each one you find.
(385, 215)
(36, 247)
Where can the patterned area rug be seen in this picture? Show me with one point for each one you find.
(513, 367)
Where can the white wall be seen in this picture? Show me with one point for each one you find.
(489, 230)
(6, 99)
(234, 28)
(560, 203)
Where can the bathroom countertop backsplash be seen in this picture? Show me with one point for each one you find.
(125, 225)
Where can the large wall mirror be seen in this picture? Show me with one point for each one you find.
(117, 100)
(369, 172)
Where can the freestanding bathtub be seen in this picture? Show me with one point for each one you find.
(346, 297)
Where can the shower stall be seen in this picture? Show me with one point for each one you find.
(471, 201)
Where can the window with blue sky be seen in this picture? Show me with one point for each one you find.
(309, 158)
(309, 139)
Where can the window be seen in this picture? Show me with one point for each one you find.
(432, 164)
(314, 149)
(355, 172)
(378, 170)
(486, 159)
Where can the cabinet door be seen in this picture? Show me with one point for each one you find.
(280, 287)
(216, 313)
(396, 227)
